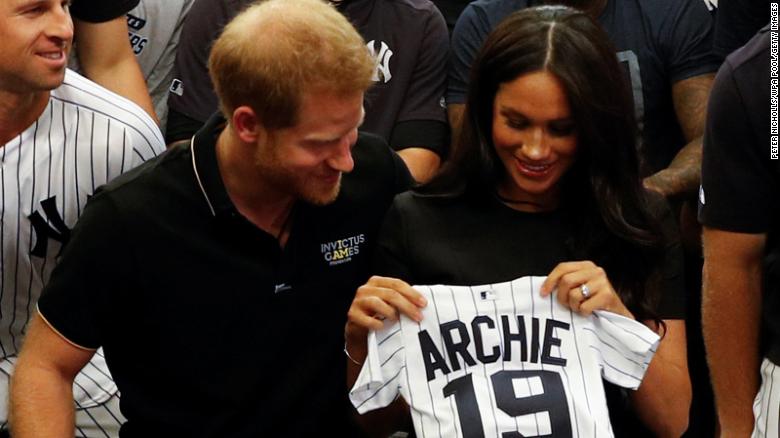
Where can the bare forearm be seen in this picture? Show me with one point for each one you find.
(683, 176)
(126, 79)
(664, 398)
(422, 163)
(455, 113)
(731, 304)
(356, 351)
(41, 386)
(41, 404)
(106, 57)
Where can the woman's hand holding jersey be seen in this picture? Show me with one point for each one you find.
(584, 287)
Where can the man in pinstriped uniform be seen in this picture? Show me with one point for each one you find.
(62, 136)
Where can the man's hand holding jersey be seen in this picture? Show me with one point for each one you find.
(379, 299)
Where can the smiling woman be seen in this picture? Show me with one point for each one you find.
(535, 139)
(544, 182)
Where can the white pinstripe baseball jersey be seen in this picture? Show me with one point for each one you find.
(85, 137)
(766, 406)
(500, 360)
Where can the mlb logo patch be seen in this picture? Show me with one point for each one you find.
(177, 87)
(487, 295)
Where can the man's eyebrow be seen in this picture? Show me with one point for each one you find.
(325, 140)
(23, 4)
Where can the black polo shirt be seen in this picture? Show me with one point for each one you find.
(209, 328)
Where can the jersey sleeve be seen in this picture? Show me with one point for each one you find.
(738, 189)
(140, 143)
(192, 92)
(140, 136)
(144, 140)
(93, 11)
(467, 38)
(686, 34)
(141, 147)
(736, 22)
(422, 120)
(624, 347)
(379, 381)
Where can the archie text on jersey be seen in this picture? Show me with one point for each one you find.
(457, 336)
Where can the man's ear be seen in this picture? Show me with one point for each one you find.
(247, 125)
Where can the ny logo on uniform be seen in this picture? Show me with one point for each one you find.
(44, 231)
(382, 73)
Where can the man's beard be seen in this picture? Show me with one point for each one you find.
(285, 181)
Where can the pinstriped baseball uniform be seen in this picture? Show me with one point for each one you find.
(85, 137)
(766, 405)
(500, 360)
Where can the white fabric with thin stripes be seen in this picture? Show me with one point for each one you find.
(555, 384)
(85, 137)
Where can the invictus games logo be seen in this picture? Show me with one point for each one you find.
(342, 250)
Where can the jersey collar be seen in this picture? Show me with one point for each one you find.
(206, 169)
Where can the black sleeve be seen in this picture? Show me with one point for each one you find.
(180, 126)
(99, 11)
(686, 38)
(195, 96)
(429, 134)
(672, 299)
(93, 267)
(391, 257)
(403, 178)
(422, 119)
(738, 189)
(470, 32)
(736, 22)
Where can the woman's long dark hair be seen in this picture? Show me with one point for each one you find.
(601, 194)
